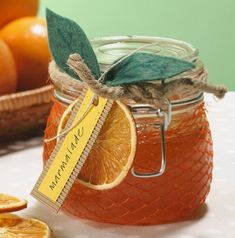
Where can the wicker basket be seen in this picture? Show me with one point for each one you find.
(24, 113)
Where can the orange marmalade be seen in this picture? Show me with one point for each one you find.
(185, 183)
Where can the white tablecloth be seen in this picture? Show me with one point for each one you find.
(20, 169)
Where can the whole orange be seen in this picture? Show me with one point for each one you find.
(13, 9)
(27, 39)
(7, 70)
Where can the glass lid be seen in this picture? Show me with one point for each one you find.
(110, 49)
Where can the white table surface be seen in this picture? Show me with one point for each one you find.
(19, 171)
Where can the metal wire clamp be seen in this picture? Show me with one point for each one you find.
(165, 121)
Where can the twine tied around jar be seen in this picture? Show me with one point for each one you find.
(144, 93)
(147, 93)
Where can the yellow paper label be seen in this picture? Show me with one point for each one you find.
(72, 148)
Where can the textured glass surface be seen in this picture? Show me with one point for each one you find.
(177, 194)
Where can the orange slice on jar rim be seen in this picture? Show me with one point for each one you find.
(113, 152)
(11, 204)
(12, 226)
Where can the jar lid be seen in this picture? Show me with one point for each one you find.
(110, 49)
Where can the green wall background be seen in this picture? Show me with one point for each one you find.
(207, 24)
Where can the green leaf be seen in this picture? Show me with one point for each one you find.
(66, 37)
(142, 67)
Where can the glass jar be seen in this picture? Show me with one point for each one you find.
(185, 183)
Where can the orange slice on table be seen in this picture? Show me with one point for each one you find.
(12, 226)
(113, 152)
(11, 204)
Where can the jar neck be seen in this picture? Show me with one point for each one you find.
(67, 93)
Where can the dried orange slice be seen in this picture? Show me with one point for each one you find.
(11, 204)
(12, 226)
(113, 152)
